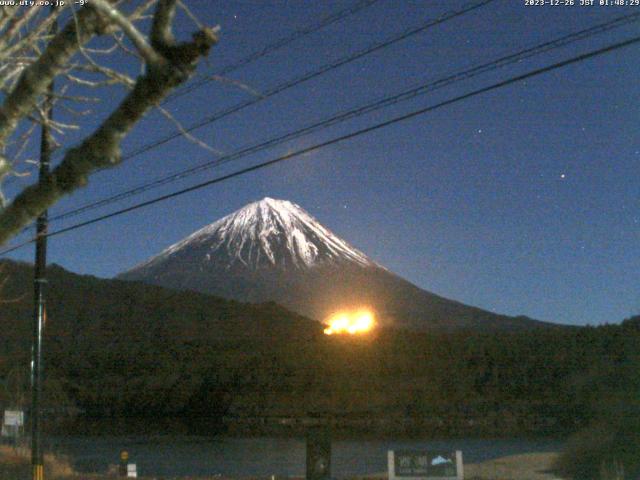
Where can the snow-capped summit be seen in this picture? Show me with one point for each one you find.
(264, 234)
(272, 250)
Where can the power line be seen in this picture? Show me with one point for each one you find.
(367, 108)
(297, 81)
(272, 47)
(18, 246)
(310, 75)
(357, 133)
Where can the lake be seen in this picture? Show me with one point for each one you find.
(263, 456)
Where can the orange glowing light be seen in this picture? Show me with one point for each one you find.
(360, 321)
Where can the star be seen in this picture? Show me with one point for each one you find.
(562, 175)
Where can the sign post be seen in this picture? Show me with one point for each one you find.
(14, 418)
(13, 425)
(132, 470)
(425, 465)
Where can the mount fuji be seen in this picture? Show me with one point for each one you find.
(273, 250)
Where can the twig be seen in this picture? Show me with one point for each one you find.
(186, 134)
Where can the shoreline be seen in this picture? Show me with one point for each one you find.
(286, 427)
(528, 466)
(523, 466)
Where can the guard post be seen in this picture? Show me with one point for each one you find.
(124, 460)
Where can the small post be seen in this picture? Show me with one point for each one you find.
(124, 460)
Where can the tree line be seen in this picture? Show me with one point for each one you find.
(116, 349)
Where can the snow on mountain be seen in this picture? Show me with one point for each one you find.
(268, 233)
(272, 250)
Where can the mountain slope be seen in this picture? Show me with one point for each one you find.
(272, 250)
(181, 362)
(114, 347)
(267, 234)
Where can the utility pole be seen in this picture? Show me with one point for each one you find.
(40, 282)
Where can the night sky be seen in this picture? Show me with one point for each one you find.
(523, 200)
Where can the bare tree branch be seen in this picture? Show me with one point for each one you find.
(140, 12)
(175, 64)
(36, 77)
(140, 42)
(161, 32)
(29, 39)
(192, 138)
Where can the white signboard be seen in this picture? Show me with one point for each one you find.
(132, 471)
(425, 465)
(13, 418)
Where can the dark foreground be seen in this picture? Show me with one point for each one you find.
(14, 465)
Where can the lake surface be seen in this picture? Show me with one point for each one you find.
(263, 456)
